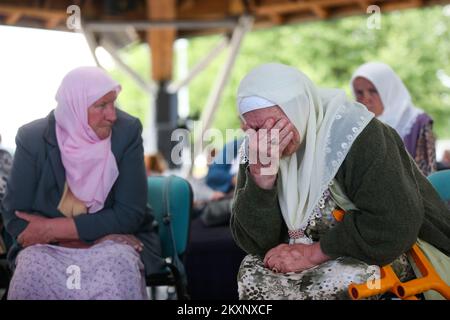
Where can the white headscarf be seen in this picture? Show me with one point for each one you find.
(399, 111)
(328, 124)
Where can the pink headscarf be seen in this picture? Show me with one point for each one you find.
(91, 168)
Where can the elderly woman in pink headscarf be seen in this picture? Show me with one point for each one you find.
(76, 201)
(380, 89)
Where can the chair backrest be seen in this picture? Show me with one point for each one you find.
(441, 182)
(171, 200)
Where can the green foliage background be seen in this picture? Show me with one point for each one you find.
(416, 43)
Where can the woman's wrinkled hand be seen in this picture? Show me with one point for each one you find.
(38, 230)
(128, 239)
(286, 258)
(266, 147)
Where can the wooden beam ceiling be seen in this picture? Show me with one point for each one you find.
(51, 14)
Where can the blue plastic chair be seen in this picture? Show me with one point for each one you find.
(441, 182)
(171, 200)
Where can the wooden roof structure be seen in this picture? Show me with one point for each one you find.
(113, 24)
(160, 22)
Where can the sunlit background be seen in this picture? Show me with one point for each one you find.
(32, 64)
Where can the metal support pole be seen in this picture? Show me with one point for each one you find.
(173, 87)
(144, 85)
(245, 24)
(92, 43)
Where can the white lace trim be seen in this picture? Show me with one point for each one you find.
(336, 149)
(243, 151)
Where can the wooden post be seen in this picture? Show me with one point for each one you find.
(161, 40)
(161, 47)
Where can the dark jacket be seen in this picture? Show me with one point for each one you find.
(38, 176)
(396, 204)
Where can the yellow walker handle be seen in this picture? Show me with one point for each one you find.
(389, 281)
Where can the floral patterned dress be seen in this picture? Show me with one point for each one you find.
(327, 281)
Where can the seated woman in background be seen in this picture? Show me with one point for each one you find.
(326, 152)
(76, 201)
(221, 180)
(221, 176)
(379, 88)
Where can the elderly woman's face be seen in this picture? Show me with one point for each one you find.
(367, 94)
(255, 120)
(102, 115)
